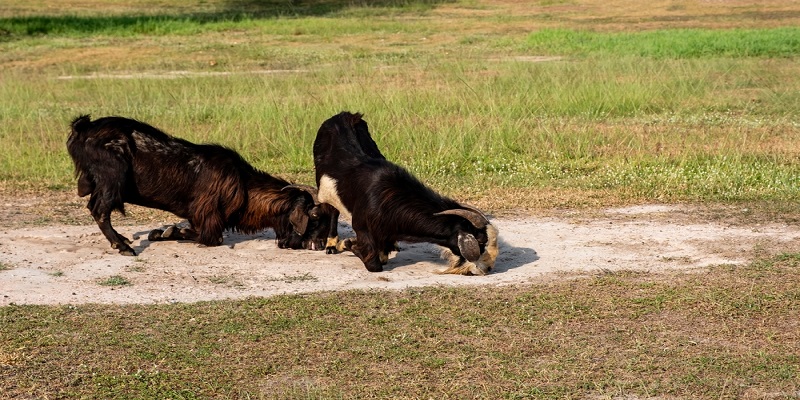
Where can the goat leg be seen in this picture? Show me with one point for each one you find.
(333, 245)
(172, 232)
(365, 250)
(383, 255)
(117, 241)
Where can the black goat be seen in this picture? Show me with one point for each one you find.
(358, 138)
(386, 204)
(120, 160)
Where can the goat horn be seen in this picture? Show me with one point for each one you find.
(471, 214)
(479, 212)
(310, 189)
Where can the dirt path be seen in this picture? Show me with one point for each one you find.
(66, 264)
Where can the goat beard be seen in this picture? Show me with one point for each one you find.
(460, 266)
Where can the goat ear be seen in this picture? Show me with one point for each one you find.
(306, 188)
(299, 220)
(469, 247)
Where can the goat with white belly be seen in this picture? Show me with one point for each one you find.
(386, 204)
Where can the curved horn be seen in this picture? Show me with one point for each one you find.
(471, 214)
(307, 188)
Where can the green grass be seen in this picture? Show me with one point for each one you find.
(672, 130)
(666, 115)
(725, 333)
(26, 28)
(684, 114)
(673, 43)
(115, 280)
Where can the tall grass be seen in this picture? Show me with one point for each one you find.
(529, 125)
(642, 115)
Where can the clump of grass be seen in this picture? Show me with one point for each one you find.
(115, 280)
(229, 281)
(139, 265)
(219, 280)
(5, 267)
(135, 268)
(307, 277)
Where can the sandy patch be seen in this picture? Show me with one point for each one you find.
(67, 264)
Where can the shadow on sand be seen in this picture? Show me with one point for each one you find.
(510, 257)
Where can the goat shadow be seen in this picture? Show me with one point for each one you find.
(510, 256)
(229, 238)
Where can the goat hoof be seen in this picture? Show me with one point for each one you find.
(155, 234)
(346, 244)
(168, 233)
(331, 250)
(374, 268)
(127, 252)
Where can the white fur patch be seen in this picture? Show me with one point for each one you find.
(329, 194)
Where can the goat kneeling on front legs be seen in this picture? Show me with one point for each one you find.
(386, 204)
(120, 160)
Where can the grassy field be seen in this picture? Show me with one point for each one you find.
(510, 105)
(560, 101)
(730, 332)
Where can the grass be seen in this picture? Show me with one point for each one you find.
(115, 280)
(626, 133)
(669, 44)
(638, 102)
(294, 278)
(672, 113)
(729, 332)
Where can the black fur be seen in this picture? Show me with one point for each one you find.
(120, 160)
(386, 202)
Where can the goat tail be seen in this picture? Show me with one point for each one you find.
(81, 123)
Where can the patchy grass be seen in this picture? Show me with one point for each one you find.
(115, 280)
(136, 268)
(307, 277)
(728, 332)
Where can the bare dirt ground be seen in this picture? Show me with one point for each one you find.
(46, 259)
